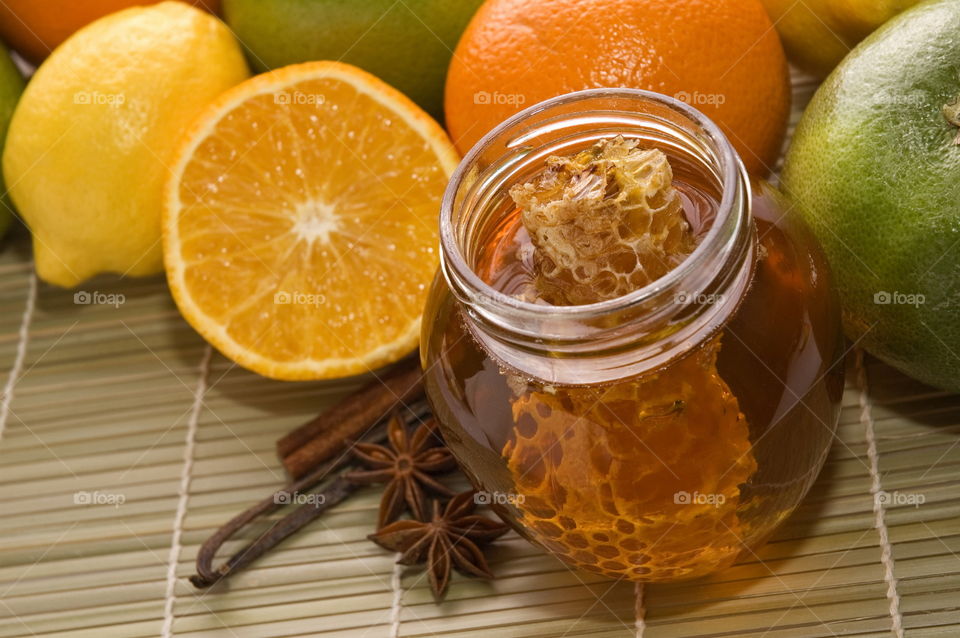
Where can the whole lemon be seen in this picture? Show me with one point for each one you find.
(817, 34)
(91, 140)
(874, 167)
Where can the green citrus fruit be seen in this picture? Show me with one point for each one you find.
(875, 169)
(406, 44)
(11, 86)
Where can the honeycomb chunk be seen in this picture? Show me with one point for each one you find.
(603, 222)
(635, 480)
(641, 478)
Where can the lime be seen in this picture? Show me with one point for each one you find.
(11, 86)
(406, 44)
(874, 168)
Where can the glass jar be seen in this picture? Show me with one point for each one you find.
(657, 435)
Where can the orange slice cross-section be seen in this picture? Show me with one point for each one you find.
(300, 221)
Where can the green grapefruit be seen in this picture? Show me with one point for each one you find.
(406, 44)
(11, 86)
(875, 169)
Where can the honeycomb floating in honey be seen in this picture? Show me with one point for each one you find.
(603, 222)
(639, 479)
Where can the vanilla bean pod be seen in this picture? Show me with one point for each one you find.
(333, 493)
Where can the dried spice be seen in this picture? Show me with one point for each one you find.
(450, 538)
(446, 537)
(405, 466)
(325, 436)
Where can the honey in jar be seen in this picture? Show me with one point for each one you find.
(630, 348)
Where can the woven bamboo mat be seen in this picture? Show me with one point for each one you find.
(124, 442)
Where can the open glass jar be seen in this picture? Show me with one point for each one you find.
(659, 434)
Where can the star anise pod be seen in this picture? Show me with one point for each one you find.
(405, 466)
(451, 538)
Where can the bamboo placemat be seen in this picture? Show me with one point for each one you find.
(124, 406)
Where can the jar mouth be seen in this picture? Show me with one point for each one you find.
(730, 173)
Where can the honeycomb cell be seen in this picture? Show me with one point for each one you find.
(603, 222)
(667, 499)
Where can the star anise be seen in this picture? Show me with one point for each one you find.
(451, 538)
(405, 466)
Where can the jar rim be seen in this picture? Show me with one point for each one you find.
(452, 255)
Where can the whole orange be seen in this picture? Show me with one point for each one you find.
(721, 56)
(34, 28)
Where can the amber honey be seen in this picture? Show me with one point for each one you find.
(663, 474)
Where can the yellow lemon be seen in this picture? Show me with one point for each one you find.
(91, 142)
(817, 34)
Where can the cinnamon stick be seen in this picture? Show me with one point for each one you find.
(322, 438)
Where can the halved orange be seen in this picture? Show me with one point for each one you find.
(300, 221)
